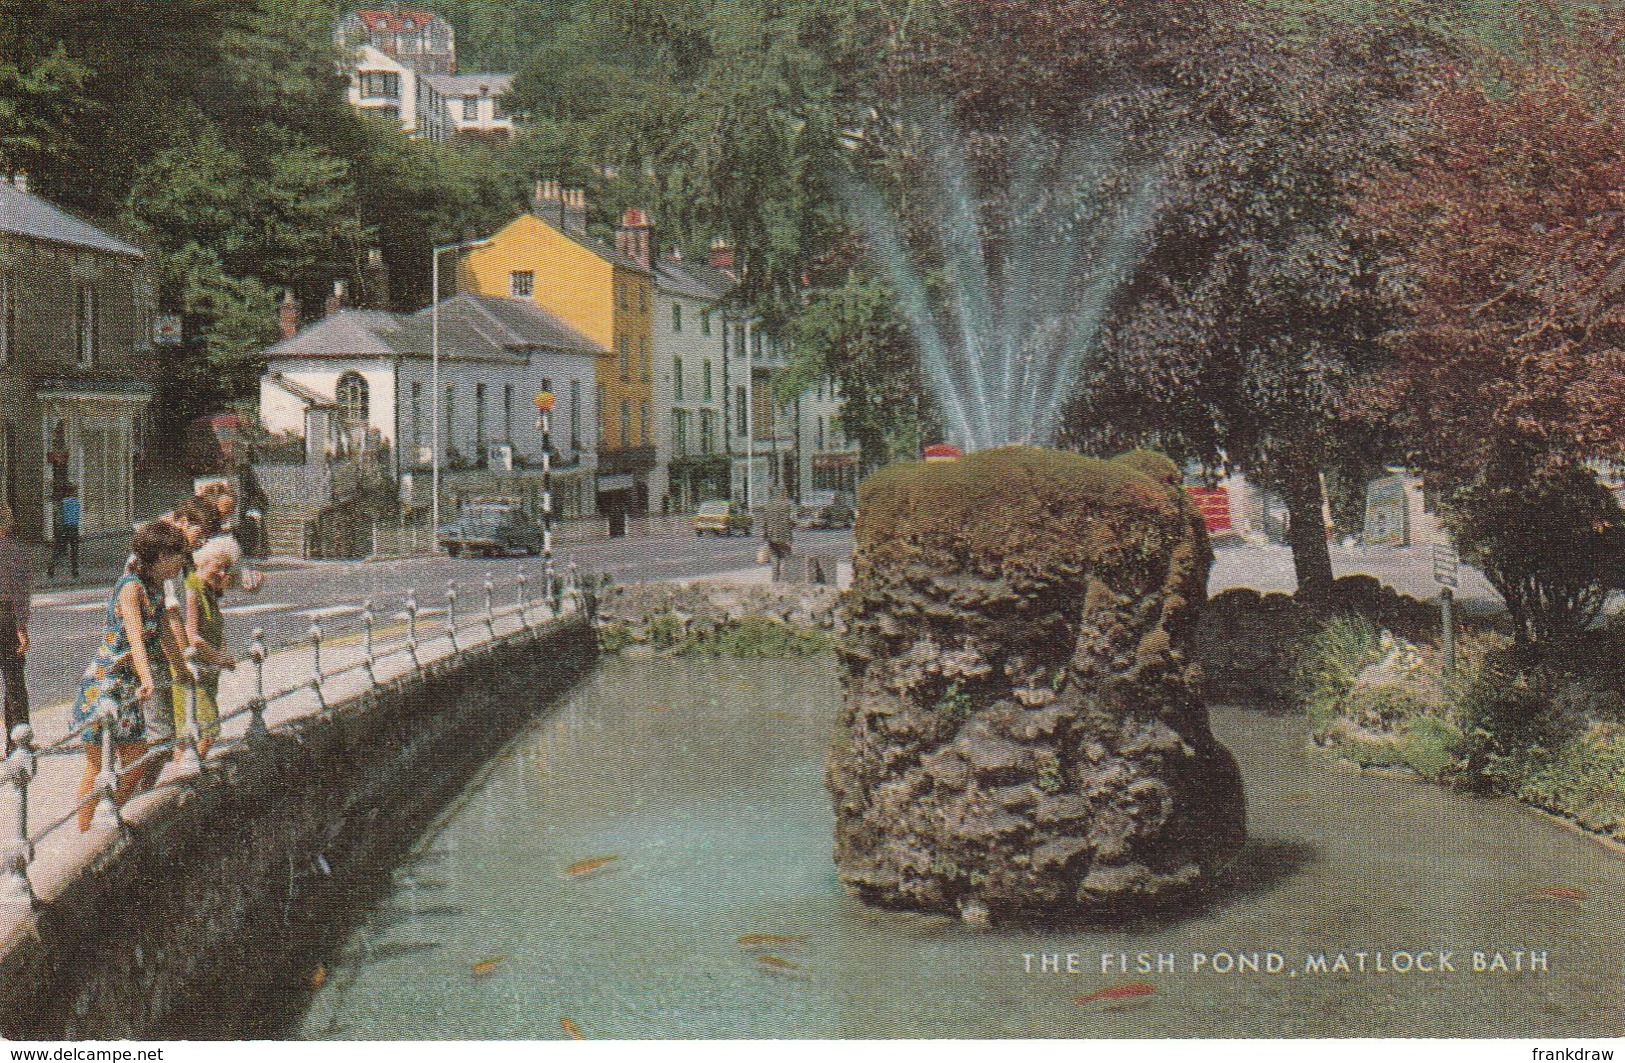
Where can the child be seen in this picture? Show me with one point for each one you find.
(206, 635)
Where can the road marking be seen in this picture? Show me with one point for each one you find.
(57, 601)
(328, 612)
(79, 607)
(260, 607)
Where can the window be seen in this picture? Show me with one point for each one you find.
(679, 432)
(677, 379)
(522, 283)
(739, 406)
(625, 345)
(575, 415)
(507, 410)
(707, 381)
(600, 413)
(87, 325)
(479, 419)
(448, 439)
(707, 430)
(643, 298)
(352, 398)
(471, 108)
(498, 111)
(705, 322)
(645, 416)
(377, 84)
(677, 317)
(818, 436)
(626, 422)
(620, 294)
(417, 414)
(643, 356)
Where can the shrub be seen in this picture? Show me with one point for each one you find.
(1344, 647)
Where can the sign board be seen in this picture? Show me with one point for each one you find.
(1445, 566)
(1214, 502)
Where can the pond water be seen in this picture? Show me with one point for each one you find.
(704, 781)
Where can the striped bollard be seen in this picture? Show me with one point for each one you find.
(316, 665)
(107, 813)
(490, 610)
(366, 641)
(522, 593)
(256, 708)
(412, 628)
(451, 614)
(15, 889)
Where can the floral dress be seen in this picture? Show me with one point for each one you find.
(111, 676)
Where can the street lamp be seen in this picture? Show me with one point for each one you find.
(544, 425)
(434, 361)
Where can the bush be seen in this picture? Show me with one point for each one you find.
(1344, 647)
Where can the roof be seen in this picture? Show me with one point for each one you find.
(696, 280)
(29, 215)
(473, 328)
(469, 84)
(299, 391)
(396, 20)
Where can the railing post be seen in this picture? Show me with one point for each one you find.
(412, 627)
(490, 610)
(107, 813)
(191, 761)
(572, 578)
(316, 665)
(366, 641)
(256, 708)
(15, 889)
(451, 614)
(522, 593)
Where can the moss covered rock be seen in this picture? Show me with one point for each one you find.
(1023, 728)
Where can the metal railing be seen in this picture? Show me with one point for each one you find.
(519, 604)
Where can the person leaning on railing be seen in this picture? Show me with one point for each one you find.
(126, 671)
(206, 637)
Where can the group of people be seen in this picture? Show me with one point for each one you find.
(164, 638)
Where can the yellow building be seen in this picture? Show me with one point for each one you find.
(607, 294)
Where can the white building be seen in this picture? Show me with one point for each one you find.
(462, 105)
(689, 395)
(360, 379)
(402, 67)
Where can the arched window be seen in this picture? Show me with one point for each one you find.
(352, 398)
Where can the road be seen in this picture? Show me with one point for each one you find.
(68, 623)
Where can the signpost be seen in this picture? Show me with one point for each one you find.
(544, 425)
(1446, 568)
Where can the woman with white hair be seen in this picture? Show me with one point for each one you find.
(205, 626)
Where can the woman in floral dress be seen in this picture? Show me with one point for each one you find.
(129, 657)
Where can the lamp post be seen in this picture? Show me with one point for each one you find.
(434, 373)
(544, 425)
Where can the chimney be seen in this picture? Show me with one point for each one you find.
(548, 203)
(287, 316)
(375, 281)
(722, 255)
(575, 211)
(335, 302)
(635, 238)
(19, 180)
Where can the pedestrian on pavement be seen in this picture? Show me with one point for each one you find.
(14, 595)
(206, 635)
(129, 673)
(66, 532)
(778, 530)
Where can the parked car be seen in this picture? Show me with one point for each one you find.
(827, 509)
(720, 517)
(490, 527)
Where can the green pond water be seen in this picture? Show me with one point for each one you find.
(704, 779)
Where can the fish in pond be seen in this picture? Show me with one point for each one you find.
(1126, 991)
(1562, 893)
(778, 964)
(751, 941)
(318, 977)
(587, 867)
(659, 708)
(485, 967)
(572, 1029)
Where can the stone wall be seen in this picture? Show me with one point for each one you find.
(200, 924)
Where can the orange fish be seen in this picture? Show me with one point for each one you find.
(751, 941)
(660, 708)
(778, 964)
(318, 976)
(573, 1030)
(485, 967)
(1562, 893)
(586, 867)
(1118, 992)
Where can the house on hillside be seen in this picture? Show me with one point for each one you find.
(75, 329)
(691, 459)
(402, 67)
(361, 381)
